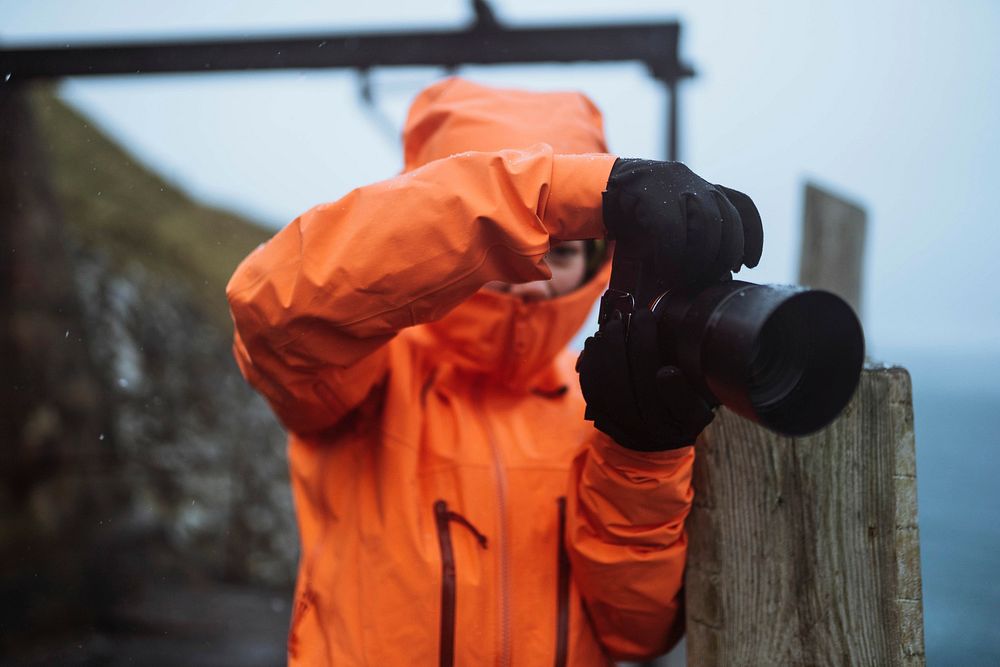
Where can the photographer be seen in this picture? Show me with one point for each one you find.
(454, 505)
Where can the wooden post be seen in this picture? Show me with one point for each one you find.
(833, 245)
(805, 550)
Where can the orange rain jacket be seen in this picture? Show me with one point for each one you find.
(453, 504)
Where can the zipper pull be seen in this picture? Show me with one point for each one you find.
(458, 518)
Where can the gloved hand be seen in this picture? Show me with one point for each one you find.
(699, 232)
(631, 396)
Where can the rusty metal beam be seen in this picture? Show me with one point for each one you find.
(653, 44)
(486, 42)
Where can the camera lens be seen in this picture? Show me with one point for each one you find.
(777, 362)
(786, 357)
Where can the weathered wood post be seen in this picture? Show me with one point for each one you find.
(833, 245)
(805, 551)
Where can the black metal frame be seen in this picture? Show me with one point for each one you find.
(485, 43)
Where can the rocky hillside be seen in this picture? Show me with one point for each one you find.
(138, 458)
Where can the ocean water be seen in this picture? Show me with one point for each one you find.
(957, 420)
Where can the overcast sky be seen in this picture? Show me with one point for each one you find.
(894, 104)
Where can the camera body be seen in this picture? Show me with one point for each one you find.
(786, 357)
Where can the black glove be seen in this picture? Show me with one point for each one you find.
(631, 396)
(699, 232)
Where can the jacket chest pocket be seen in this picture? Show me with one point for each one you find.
(443, 520)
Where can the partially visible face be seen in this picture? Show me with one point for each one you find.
(568, 263)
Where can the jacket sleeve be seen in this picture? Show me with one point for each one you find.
(627, 545)
(314, 307)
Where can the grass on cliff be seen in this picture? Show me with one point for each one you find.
(115, 204)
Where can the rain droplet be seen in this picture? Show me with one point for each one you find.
(6, 77)
(67, 334)
(122, 382)
(100, 437)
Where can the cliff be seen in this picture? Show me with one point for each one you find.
(138, 461)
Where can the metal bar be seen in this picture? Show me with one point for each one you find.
(673, 149)
(654, 44)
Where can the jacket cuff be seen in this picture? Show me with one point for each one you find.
(574, 207)
(625, 459)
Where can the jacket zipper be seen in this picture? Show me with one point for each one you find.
(504, 575)
(562, 589)
(442, 519)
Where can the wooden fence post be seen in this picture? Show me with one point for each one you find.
(805, 550)
(833, 245)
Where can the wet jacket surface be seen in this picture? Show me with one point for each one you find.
(454, 506)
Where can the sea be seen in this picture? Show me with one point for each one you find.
(956, 404)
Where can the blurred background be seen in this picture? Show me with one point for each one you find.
(143, 480)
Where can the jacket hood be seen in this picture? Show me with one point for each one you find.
(455, 116)
(494, 333)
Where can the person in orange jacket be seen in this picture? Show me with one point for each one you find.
(454, 505)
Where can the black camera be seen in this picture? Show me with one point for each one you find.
(786, 357)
